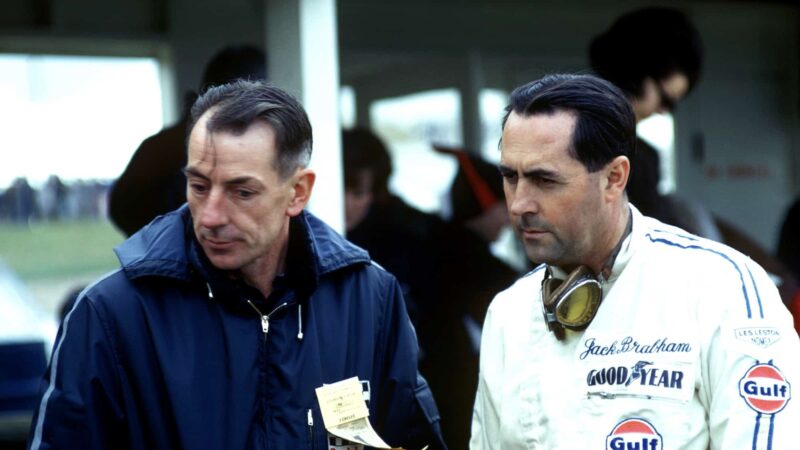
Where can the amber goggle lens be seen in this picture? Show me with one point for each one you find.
(578, 304)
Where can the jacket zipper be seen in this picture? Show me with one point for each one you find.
(265, 317)
(265, 325)
(310, 430)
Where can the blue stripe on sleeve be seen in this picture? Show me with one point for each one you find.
(697, 247)
(771, 429)
(755, 288)
(755, 431)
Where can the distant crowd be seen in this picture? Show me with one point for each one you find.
(22, 203)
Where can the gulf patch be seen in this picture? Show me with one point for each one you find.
(634, 434)
(764, 388)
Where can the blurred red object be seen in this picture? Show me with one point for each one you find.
(794, 307)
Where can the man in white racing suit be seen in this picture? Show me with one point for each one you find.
(656, 339)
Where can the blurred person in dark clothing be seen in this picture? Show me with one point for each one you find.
(469, 276)
(153, 182)
(397, 235)
(789, 239)
(19, 201)
(789, 255)
(477, 217)
(655, 56)
(446, 268)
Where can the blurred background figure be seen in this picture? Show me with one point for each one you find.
(398, 236)
(153, 182)
(18, 202)
(789, 241)
(469, 275)
(789, 254)
(445, 266)
(52, 198)
(655, 55)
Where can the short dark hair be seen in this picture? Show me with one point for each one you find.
(647, 43)
(605, 126)
(239, 104)
(363, 150)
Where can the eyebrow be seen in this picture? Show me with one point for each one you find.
(534, 173)
(190, 171)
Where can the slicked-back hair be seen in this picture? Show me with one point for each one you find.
(605, 124)
(239, 104)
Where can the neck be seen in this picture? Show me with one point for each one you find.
(262, 272)
(612, 245)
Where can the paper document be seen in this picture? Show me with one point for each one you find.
(345, 413)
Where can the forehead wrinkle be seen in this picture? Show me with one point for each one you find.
(210, 149)
(207, 151)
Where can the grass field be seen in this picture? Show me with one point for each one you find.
(53, 258)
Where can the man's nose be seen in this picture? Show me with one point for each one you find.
(214, 213)
(524, 199)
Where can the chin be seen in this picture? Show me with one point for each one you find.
(539, 257)
(224, 262)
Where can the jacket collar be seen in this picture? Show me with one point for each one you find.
(164, 248)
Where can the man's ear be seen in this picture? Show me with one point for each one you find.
(616, 177)
(302, 185)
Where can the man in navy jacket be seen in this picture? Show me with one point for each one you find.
(227, 313)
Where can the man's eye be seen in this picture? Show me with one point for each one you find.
(244, 193)
(547, 183)
(511, 177)
(197, 187)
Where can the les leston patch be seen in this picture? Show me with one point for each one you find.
(764, 388)
(759, 336)
(634, 434)
(754, 338)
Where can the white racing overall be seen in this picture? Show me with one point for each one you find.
(691, 349)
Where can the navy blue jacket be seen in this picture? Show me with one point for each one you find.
(168, 353)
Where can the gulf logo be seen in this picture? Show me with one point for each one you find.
(765, 389)
(634, 434)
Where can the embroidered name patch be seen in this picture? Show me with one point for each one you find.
(593, 347)
(759, 336)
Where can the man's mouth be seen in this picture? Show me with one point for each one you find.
(531, 232)
(217, 244)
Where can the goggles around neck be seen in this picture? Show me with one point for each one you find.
(571, 303)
